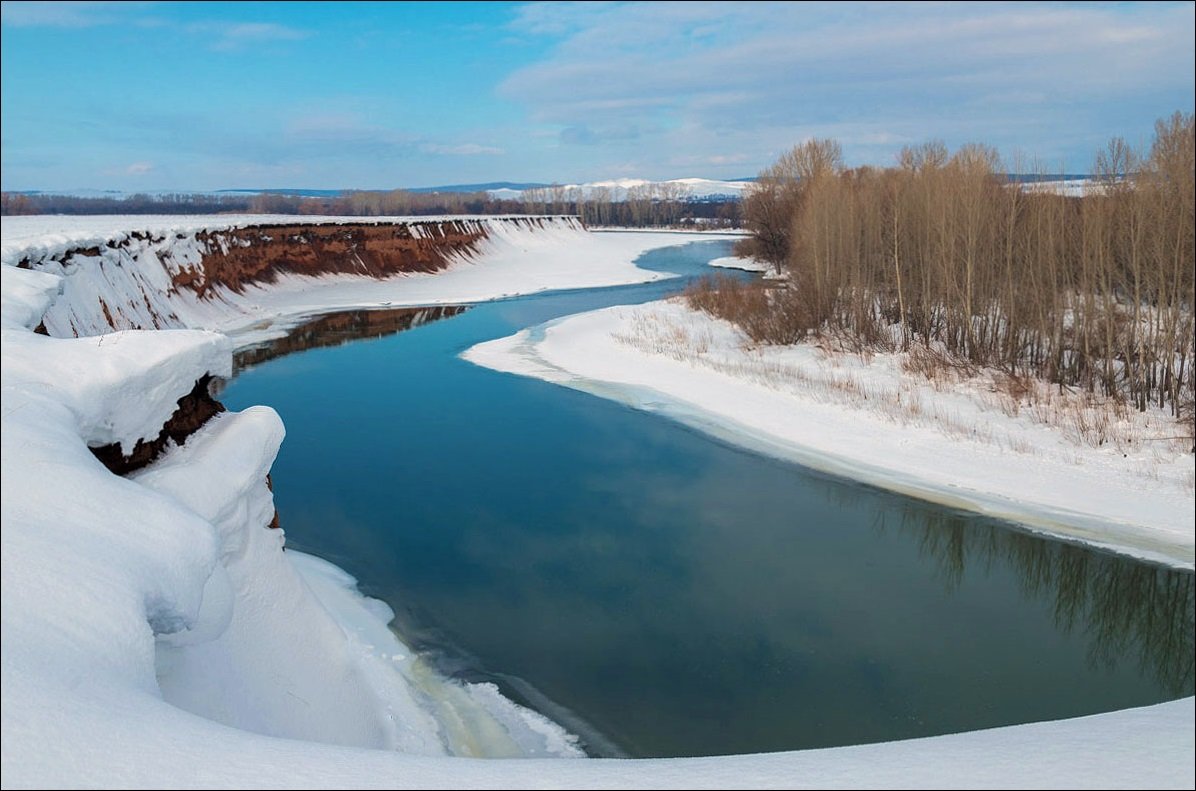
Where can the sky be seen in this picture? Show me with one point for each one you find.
(201, 96)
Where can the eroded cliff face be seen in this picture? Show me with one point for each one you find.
(194, 410)
(187, 280)
(259, 254)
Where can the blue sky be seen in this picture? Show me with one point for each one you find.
(373, 95)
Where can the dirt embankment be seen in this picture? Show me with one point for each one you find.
(259, 254)
(193, 411)
(148, 280)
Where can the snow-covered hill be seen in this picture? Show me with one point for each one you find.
(693, 189)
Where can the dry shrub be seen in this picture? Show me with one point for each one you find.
(1017, 390)
(719, 295)
(766, 314)
(747, 247)
(1187, 418)
(938, 365)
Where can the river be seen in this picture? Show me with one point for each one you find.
(662, 593)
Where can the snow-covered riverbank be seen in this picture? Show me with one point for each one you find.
(155, 634)
(873, 422)
(134, 279)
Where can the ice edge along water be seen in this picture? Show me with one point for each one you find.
(121, 594)
(1043, 488)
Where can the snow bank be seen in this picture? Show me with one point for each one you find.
(473, 720)
(155, 634)
(739, 262)
(262, 654)
(897, 433)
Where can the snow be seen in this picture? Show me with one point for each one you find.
(739, 262)
(621, 189)
(868, 421)
(474, 720)
(505, 193)
(1071, 188)
(154, 632)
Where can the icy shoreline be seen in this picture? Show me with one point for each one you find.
(475, 720)
(155, 634)
(664, 357)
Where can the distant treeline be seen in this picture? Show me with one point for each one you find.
(944, 253)
(651, 205)
(182, 203)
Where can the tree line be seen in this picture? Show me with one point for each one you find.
(650, 205)
(15, 203)
(943, 250)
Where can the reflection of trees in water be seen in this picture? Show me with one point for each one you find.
(335, 329)
(1124, 607)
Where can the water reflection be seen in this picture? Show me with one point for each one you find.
(335, 329)
(1123, 608)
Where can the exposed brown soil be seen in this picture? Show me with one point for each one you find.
(238, 257)
(258, 254)
(194, 409)
(274, 523)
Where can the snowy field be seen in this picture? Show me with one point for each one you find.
(154, 633)
(738, 262)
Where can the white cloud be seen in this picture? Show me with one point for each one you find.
(761, 76)
(139, 169)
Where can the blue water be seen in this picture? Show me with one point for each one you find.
(664, 594)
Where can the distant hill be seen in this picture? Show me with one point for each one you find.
(489, 186)
(690, 189)
(303, 193)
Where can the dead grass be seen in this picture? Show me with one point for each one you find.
(766, 315)
(976, 406)
(1085, 418)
